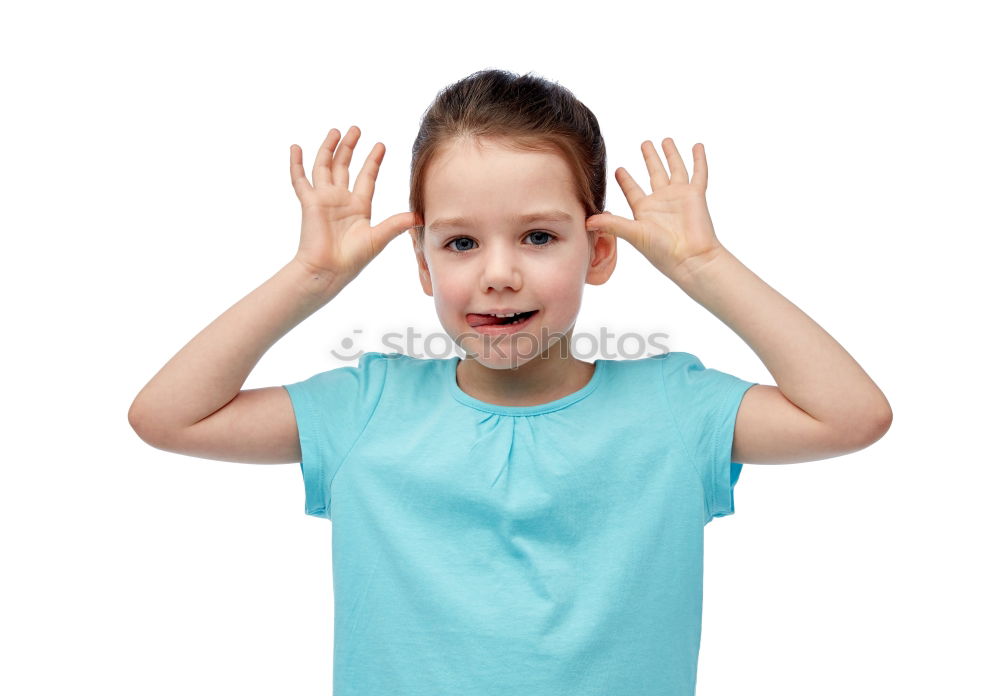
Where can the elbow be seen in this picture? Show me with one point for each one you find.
(134, 419)
(875, 426)
(880, 425)
(138, 421)
(862, 428)
(144, 424)
(883, 416)
(874, 419)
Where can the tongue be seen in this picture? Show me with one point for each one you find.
(484, 319)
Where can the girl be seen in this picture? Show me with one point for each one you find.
(518, 521)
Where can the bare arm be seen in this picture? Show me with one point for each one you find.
(824, 403)
(194, 405)
(208, 373)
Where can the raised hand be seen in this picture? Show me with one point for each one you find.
(337, 238)
(672, 227)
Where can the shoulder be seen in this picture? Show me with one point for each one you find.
(375, 361)
(656, 367)
(682, 370)
(403, 363)
(678, 362)
(688, 383)
(403, 371)
(367, 377)
(370, 365)
(636, 380)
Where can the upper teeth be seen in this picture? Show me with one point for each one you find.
(512, 314)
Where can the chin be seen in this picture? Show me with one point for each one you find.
(513, 350)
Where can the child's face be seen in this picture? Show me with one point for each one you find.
(494, 262)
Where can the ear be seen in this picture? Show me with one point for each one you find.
(425, 274)
(603, 257)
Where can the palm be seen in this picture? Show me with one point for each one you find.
(672, 224)
(343, 222)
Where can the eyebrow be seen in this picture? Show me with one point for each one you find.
(442, 224)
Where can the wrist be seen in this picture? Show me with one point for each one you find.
(694, 268)
(314, 282)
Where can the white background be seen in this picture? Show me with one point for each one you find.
(852, 153)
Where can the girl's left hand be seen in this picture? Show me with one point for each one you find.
(672, 227)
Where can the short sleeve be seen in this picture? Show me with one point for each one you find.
(332, 409)
(704, 403)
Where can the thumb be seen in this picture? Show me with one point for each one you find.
(393, 226)
(609, 222)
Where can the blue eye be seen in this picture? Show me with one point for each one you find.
(531, 234)
(534, 232)
(459, 239)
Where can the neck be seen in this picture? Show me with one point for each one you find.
(546, 378)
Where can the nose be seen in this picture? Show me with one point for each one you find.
(500, 270)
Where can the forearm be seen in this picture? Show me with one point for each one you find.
(210, 370)
(810, 367)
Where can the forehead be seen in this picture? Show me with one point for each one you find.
(476, 180)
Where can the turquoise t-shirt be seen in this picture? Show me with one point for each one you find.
(530, 551)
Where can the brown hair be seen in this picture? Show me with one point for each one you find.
(530, 113)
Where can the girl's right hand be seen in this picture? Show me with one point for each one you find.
(337, 239)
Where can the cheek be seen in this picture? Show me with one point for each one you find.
(449, 291)
(566, 279)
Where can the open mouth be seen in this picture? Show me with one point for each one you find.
(476, 320)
